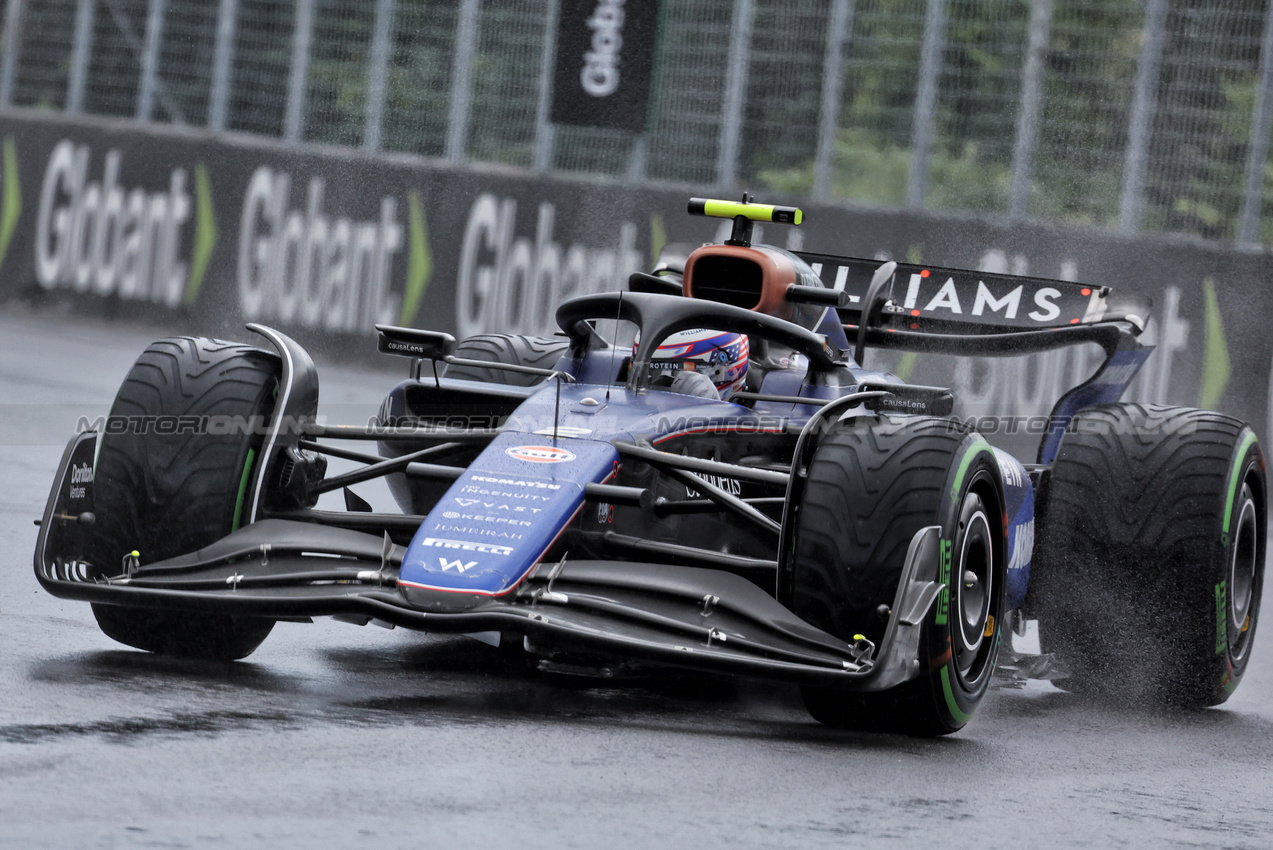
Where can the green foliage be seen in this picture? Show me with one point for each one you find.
(419, 80)
(967, 181)
(968, 165)
(1197, 157)
(1199, 139)
(868, 172)
(336, 95)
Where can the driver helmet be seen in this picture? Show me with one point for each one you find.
(722, 357)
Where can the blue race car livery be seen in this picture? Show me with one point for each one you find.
(698, 472)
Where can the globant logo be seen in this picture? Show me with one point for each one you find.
(600, 75)
(312, 268)
(96, 235)
(512, 284)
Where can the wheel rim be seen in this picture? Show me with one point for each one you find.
(974, 590)
(1244, 568)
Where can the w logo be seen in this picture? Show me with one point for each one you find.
(456, 565)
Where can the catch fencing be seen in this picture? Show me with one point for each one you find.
(1130, 115)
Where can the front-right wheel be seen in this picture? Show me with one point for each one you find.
(1149, 562)
(872, 484)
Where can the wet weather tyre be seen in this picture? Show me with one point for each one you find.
(166, 485)
(872, 485)
(541, 352)
(1150, 559)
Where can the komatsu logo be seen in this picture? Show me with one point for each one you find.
(515, 482)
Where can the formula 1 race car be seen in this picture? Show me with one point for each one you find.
(698, 473)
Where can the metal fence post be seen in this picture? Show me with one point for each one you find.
(1030, 108)
(222, 61)
(457, 130)
(839, 34)
(150, 60)
(930, 64)
(735, 91)
(1258, 150)
(302, 39)
(13, 15)
(377, 74)
(1141, 127)
(81, 51)
(545, 133)
(638, 159)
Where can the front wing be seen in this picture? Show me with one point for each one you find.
(645, 612)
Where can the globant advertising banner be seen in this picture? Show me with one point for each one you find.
(207, 232)
(605, 56)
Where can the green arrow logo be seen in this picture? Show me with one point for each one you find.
(419, 263)
(12, 204)
(205, 234)
(1215, 361)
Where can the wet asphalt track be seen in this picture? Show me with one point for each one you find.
(332, 735)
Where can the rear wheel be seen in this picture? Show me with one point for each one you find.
(1150, 563)
(541, 352)
(872, 485)
(171, 481)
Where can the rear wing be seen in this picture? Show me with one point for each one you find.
(933, 299)
(905, 306)
(962, 312)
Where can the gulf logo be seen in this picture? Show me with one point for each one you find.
(540, 454)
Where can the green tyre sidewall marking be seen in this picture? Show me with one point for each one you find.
(952, 705)
(975, 466)
(265, 407)
(1248, 466)
(1235, 475)
(244, 480)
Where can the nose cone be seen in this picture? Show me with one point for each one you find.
(500, 518)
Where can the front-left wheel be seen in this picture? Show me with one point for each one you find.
(174, 473)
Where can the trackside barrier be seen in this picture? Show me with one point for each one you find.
(208, 231)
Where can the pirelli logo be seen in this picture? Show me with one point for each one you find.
(943, 576)
(1222, 617)
(467, 546)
